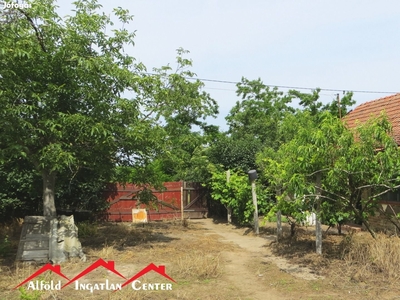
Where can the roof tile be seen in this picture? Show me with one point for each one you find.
(372, 109)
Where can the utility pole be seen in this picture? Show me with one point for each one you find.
(340, 110)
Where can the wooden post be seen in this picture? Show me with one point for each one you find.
(182, 200)
(254, 194)
(228, 208)
(318, 228)
(278, 220)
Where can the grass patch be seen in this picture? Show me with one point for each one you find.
(29, 295)
(199, 265)
(5, 246)
(372, 258)
(274, 219)
(87, 229)
(197, 259)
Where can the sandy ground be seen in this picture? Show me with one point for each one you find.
(239, 271)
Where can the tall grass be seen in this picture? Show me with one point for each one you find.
(372, 258)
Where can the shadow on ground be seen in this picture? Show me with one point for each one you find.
(124, 235)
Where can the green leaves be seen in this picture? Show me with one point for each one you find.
(351, 164)
(236, 193)
(259, 113)
(73, 99)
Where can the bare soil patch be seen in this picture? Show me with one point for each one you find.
(211, 260)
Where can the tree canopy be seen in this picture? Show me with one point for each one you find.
(73, 99)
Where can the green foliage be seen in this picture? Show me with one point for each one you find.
(273, 218)
(345, 102)
(87, 229)
(65, 107)
(234, 153)
(312, 105)
(236, 194)
(20, 189)
(29, 295)
(353, 170)
(5, 246)
(259, 113)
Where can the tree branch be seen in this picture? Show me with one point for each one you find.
(38, 35)
(384, 192)
(319, 171)
(377, 185)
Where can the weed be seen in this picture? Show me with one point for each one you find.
(5, 246)
(273, 218)
(87, 229)
(185, 223)
(25, 295)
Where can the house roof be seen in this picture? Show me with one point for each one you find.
(390, 105)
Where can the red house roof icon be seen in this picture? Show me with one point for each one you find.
(47, 267)
(151, 267)
(99, 263)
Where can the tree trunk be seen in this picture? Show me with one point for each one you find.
(392, 218)
(318, 228)
(363, 220)
(292, 229)
(368, 226)
(49, 207)
(278, 226)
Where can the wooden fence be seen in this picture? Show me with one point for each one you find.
(190, 196)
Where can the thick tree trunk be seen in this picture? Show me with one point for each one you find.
(49, 206)
(318, 227)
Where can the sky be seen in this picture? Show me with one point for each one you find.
(342, 45)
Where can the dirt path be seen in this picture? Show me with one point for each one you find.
(240, 271)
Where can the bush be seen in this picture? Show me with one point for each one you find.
(5, 246)
(87, 229)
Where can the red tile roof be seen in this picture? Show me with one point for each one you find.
(372, 109)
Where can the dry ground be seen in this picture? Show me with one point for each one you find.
(211, 260)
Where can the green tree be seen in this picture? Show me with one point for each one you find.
(311, 103)
(335, 172)
(236, 194)
(340, 107)
(20, 189)
(63, 92)
(259, 113)
(234, 153)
